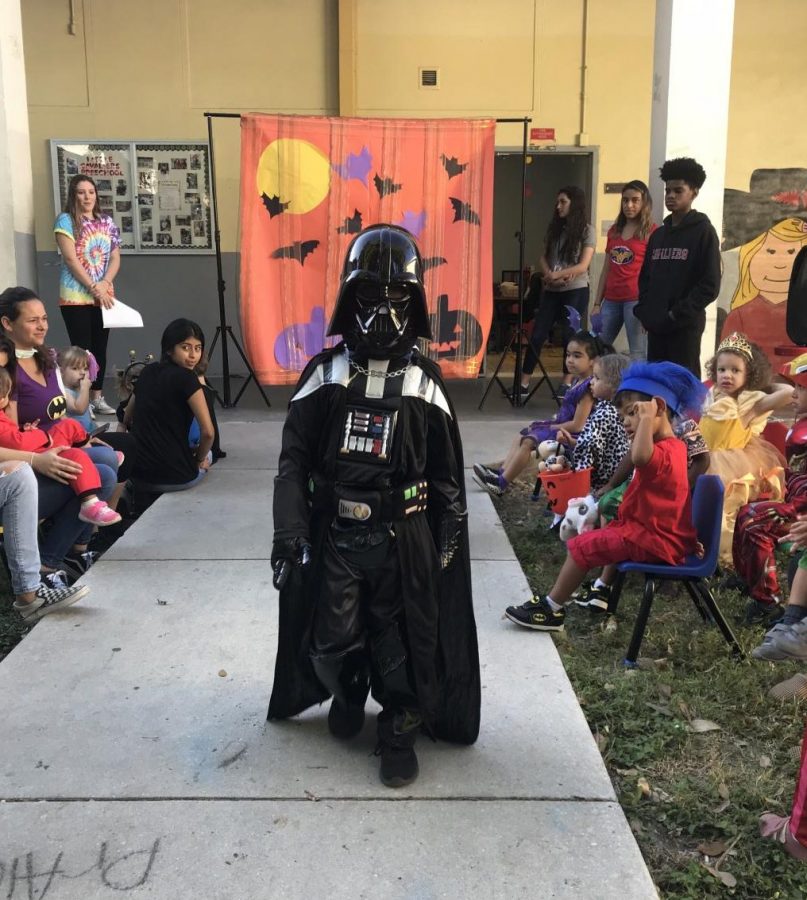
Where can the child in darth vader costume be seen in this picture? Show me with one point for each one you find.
(370, 551)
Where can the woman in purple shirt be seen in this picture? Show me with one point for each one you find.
(25, 323)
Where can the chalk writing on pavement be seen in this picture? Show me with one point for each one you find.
(33, 876)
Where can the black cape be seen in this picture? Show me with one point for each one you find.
(438, 604)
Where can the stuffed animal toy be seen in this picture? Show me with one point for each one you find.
(581, 516)
(551, 457)
(557, 464)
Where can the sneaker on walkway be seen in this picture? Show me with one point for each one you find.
(769, 648)
(537, 614)
(396, 747)
(49, 599)
(101, 408)
(768, 614)
(595, 598)
(98, 513)
(345, 720)
(493, 483)
(790, 642)
(482, 471)
(519, 396)
(55, 580)
(81, 562)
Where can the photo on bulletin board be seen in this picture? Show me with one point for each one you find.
(174, 191)
(158, 193)
(109, 164)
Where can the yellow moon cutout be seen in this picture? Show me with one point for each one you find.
(296, 172)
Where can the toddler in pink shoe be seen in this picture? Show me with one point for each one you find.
(64, 432)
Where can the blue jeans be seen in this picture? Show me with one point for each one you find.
(59, 503)
(18, 508)
(102, 455)
(615, 314)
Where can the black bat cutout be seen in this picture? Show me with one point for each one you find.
(431, 261)
(298, 250)
(273, 205)
(463, 212)
(385, 186)
(352, 225)
(452, 165)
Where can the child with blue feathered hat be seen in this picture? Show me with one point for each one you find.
(654, 521)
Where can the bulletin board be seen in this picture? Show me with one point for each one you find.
(157, 192)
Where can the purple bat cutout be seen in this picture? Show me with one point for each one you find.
(357, 165)
(295, 345)
(596, 323)
(574, 318)
(412, 221)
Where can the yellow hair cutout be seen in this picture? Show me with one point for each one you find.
(787, 230)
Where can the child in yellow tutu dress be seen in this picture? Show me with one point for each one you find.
(736, 410)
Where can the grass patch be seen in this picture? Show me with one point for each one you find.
(692, 799)
(12, 628)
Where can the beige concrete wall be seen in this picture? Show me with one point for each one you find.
(515, 58)
(767, 122)
(149, 70)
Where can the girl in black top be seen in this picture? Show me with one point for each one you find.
(167, 397)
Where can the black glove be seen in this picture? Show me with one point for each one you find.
(285, 554)
(451, 537)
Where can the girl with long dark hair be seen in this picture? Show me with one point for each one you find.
(167, 397)
(568, 251)
(618, 288)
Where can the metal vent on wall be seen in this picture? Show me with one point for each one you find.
(429, 78)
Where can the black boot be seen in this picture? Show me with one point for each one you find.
(347, 678)
(396, 747)
(345, 721)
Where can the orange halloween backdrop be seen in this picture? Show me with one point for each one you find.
(309, 184)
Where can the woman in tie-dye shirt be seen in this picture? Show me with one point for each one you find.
(90, 246)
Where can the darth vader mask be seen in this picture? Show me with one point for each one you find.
(381, 307)
(382, 320)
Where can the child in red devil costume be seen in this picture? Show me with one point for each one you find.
(760, 525)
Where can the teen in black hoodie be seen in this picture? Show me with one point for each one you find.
(680, 276)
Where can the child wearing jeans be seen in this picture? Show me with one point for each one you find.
(654, 522)
(65, 432)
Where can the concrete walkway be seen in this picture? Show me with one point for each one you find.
(136, 756)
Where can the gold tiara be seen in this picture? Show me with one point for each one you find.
(736, 343)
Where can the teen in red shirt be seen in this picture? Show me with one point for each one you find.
(618, 287)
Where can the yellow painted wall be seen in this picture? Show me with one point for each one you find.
(767, 122)
(515, 58)
(150, 69)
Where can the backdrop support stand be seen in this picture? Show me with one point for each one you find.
(223, 330)
(516, 339)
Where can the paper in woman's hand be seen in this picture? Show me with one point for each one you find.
(119, 315)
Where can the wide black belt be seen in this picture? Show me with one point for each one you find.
(366, 507)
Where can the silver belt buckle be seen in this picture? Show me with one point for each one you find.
(354, 510)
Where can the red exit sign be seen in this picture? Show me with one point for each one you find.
(542, 134)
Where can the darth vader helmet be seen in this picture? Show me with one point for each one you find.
(381, 306)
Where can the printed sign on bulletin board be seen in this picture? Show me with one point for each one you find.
(158, 193)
